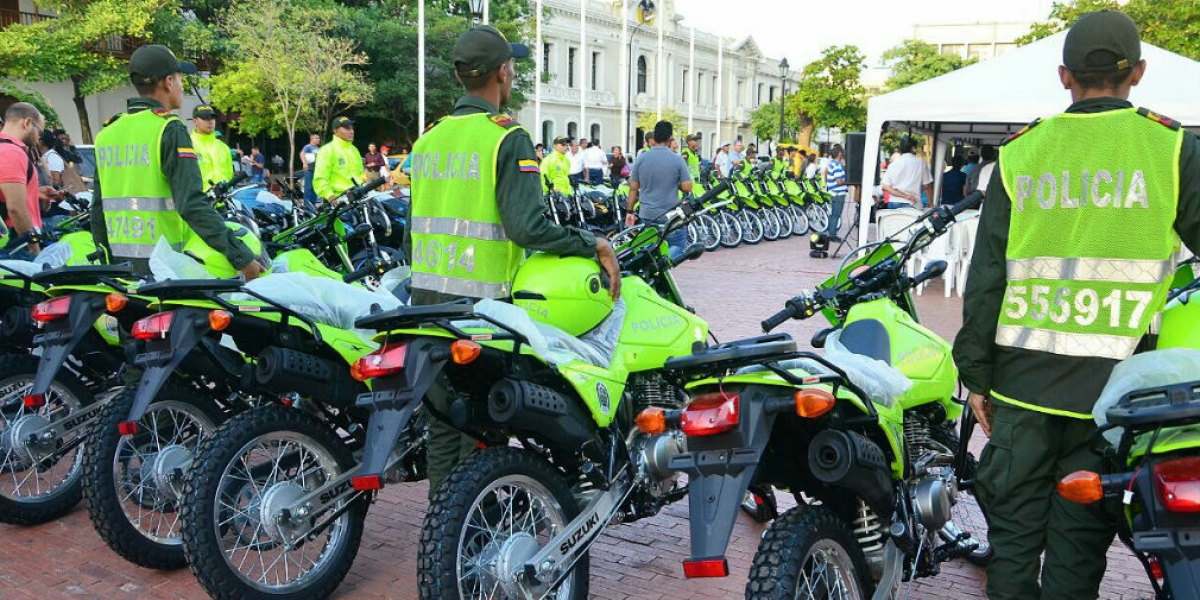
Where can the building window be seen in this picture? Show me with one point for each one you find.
(572, 130)
(738, 98)
(595, 132)
(548, 134)
(758, 100)
(686, 86)
(715, 98)
(955, 49)
(571, 52)
(641, 75)
(979, 51)
(595, 71)
(546, 55)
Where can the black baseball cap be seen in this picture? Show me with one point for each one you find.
(695, 137)
(153, 62)
(1105, 40)
(204, 111)
(562, 139)
(342, 122)
(483, 48)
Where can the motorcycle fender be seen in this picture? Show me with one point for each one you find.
(58, 342)
(187, 328)
(720, 469)
(1178, 553)
(395, 398)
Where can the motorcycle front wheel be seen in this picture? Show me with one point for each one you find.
(710, 232)
(492, 514)
(808, 554)
(731, 229)
(255, 466)
(772, 228)
(36, 484)
(818, 217)
(799, 220)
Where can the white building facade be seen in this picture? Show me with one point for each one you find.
(712, 82)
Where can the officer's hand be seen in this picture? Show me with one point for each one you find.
(608, 262)
(47, 193)
(982, 407)
(630, 220)
(252, 270)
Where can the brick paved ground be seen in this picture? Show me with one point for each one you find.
(733, 289)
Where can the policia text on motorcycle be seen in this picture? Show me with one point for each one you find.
(147, 164)
(477, 207)
(1084, 213)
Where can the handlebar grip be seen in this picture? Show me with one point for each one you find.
(776, 319)
(971, 201)
(934, 269)
(359, 274)
(357, 192)
(238, 178)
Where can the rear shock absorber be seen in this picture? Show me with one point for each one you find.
(869, 535)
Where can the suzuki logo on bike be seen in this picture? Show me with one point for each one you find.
(333, 494)
(579, 535)
(666, 322)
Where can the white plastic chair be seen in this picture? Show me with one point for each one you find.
(944, 248)
(893, 221)
(965, 231)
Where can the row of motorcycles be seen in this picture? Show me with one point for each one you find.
(761, 203)
(211, 423)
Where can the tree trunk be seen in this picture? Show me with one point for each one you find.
(85, 125)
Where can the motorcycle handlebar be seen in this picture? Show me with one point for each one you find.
(360, 273)
(222, 188)
(699, 202)
(359, 191)
(776, 320)
(972, 200)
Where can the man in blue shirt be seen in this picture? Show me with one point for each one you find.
(308, 157)
(835, 184)
(657, 178)
(954, 182)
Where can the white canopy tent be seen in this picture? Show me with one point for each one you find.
(987, 102)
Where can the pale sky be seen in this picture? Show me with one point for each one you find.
(799, 29)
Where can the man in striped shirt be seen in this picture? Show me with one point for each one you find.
(835, 183)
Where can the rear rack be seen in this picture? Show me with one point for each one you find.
(1150, 408)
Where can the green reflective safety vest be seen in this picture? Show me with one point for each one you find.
(556, 171)
(216, 161)
(458, 242)
(1091, 237)
(693, 162)
(339, 165)
(137, 201)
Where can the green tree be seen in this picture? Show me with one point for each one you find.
(829, 94)
(20, 94)
(1173, 25)
(288, 73)
(647, 120)
(77, 45)
(387, 33)
(764, 121)
(914, 61)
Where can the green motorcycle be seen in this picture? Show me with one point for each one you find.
(863, 436)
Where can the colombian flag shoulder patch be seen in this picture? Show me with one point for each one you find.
(186, 152)
(527, 165)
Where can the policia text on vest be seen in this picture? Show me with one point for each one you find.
(446, 165)
(1100, 188)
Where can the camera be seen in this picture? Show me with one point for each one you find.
(51, 140)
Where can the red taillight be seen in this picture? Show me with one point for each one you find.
(154, 326)
(54, 309)
(365, 483)
(1178, 484)
(387, 360)
(710, 414)
(34, 401)
(127, 428)
(705, 567)
(1155, 568)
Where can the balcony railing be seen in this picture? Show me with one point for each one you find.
(119, 45)
(12, 17)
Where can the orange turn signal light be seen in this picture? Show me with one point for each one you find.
(464, 352)
(814, 402)
(115, 302)
(1082, 487)
(652, 421)
(219, 319)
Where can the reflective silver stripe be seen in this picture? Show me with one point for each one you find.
(460, 287)
(136, 203)
(1091, 269)
(131, 250)
(459, 227)
(1066, 344)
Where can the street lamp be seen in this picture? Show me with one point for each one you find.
(645, 14)
(783, 71)
(476, 11)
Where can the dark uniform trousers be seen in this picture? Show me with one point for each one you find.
(1020, 467)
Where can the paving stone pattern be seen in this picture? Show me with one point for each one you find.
(733, 289)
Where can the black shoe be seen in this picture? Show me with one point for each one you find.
(835, 239)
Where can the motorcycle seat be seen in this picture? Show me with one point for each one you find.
(868, 338)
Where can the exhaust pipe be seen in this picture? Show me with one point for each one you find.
(849, 459)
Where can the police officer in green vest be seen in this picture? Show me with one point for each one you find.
(1084, 212)
(216, 161)
(691, 155)
(477, 207)
(339, 163)
(556, 168)
(148, 176)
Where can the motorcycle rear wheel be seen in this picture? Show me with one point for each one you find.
(806, 554)
(267, 455)
(36, 491)
(494, 511)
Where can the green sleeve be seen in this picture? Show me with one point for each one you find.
(1187, 219)
(519, 196)
(984, 296)
(96, 220)
(225, 165)
(325, 164)
(191, 203)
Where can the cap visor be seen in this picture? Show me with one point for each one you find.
(519, 50)
(187, 68)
